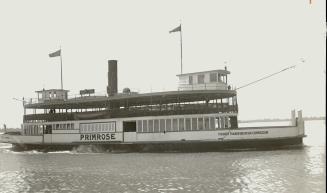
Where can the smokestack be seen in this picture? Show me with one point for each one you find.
(112, 87)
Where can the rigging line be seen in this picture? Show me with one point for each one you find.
(268, 76)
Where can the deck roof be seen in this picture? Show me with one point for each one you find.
(204, 72)
(134, 99)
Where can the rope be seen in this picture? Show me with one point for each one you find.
(268, 76)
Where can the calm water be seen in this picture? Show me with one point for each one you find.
(300, 170)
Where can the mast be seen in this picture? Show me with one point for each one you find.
(180, 32)
(61, 69)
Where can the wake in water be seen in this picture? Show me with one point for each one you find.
(95, 149)
(5, 145)
(80, 149)
(8, 148)
(88, 149)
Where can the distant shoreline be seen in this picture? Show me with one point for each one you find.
(281, 120)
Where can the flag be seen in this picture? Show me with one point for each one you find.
(179, 28)
(55, 54)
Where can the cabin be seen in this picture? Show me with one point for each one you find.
(206, 80)
(52, 95)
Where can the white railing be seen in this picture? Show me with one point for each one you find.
(205, 87)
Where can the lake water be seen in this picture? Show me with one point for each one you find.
(293, 170)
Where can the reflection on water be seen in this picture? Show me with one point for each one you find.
(300, 170)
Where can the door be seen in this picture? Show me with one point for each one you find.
(47, 134)
(129, 131)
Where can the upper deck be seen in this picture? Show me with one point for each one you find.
(208, 92)
(132, 99)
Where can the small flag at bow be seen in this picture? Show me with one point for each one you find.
(55, 54)
(179, 28)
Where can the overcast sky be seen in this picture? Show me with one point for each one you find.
(252, 38)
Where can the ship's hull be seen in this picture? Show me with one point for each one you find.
(180, 146)
(120, 139)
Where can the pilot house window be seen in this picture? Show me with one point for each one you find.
(201, 79)
(190, 79)
(213, 77)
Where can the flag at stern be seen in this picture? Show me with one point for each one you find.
(55, 54)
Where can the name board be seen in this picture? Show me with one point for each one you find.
(101, 137)
(86, 91)
(233, 133)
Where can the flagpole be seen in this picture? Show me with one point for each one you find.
(181, 49)
(61, 68)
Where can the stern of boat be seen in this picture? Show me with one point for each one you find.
(298, 122)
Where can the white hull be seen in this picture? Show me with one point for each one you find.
(133, 137)
(63, 137)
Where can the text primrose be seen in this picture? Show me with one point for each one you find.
(98, 137)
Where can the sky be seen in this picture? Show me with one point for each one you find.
(252, 38)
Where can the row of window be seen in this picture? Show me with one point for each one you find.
(182, 124)
(98, 127)
(33, 131)
(212, 78)
(38, 129)
(66, 126)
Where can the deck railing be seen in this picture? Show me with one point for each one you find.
(103, 94)
(135, 112)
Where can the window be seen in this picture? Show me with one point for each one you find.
(156, 126)
(201, 79)
(168, 125)
(228, 122)
(206, 123)
(190, 79)
(175, 125)
(139, 126)
(187, 124)
(194, 124)
(162, 125)
(212, 123)
(217, 123)
(222, 122)
(129, 126)
(213, 77)
(200, 123)
(145, 126)
(150, 125)
(181, 125)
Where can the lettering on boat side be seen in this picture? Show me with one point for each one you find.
(101, 137)
(242, 133)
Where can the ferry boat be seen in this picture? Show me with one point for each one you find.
(202, 115)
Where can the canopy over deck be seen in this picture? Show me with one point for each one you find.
(134, 99)
(204, 72)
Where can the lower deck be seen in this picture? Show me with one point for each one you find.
(181, 146)
(192, 129)
(229, 134)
